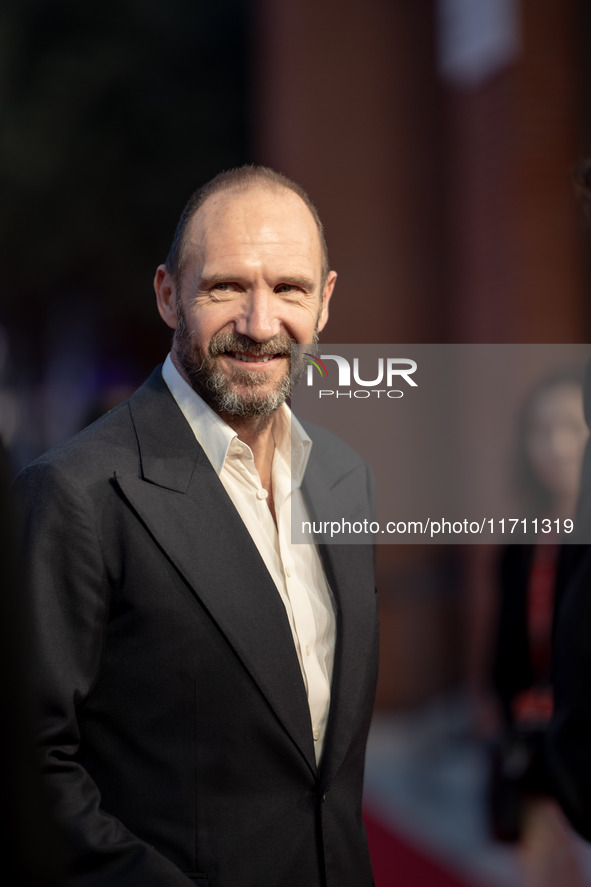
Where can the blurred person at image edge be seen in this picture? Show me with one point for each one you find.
(568, 748)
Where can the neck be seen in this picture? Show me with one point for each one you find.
(257, 432)
(565, 505)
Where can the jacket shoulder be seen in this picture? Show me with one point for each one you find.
(110, 440)
(106, 439)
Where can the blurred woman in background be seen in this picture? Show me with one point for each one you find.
(552, 439)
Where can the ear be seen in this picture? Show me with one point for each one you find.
(331, 279)
(165, 289)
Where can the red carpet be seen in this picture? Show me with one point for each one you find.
(396, 863)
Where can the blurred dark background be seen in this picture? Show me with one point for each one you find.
(112, 113)
(438, 139)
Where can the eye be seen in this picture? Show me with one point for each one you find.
(287, 288)
(223, 287)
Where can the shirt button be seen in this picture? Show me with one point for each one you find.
(288, 571)
(262, 494)
(316, 735)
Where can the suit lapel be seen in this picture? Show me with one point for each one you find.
(185, 507)
(349, 570)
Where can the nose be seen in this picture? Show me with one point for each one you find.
(259, 319)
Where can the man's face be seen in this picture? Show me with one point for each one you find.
(251, 287)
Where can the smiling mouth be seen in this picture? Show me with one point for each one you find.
(252, 358)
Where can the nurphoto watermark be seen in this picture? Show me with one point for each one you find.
(458, 443)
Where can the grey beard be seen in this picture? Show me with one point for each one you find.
(222, 392)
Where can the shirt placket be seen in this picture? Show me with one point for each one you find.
(303, 616)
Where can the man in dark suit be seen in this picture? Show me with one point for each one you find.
(207, 686)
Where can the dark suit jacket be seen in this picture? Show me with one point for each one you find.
(569, 735)
(512, 665)
(30, 847)
(176, 734)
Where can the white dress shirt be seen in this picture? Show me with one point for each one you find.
(295, 569)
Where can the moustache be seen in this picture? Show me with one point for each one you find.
(222, 343)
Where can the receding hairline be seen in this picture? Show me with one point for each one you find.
(238, 190)
(239, 180)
